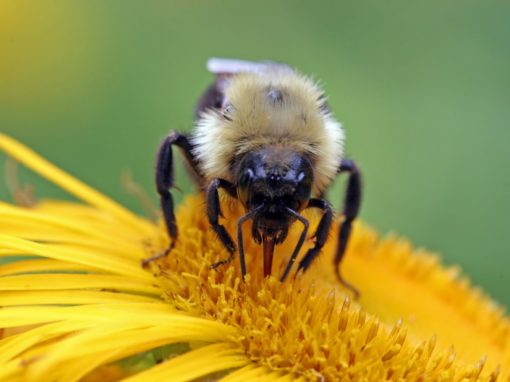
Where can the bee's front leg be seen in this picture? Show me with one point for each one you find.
(321, 234)
(214, 213)
(165, 181)
(165, 175)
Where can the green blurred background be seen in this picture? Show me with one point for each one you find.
(423, 90)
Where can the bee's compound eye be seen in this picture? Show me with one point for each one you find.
(244, 183)
(304, 186)
(246, 177)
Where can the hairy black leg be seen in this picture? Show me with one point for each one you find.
(352, 203)
(165, 181)
(321, 234)
(165, 176)
(214, 213)
(299, 243)
(240, 241)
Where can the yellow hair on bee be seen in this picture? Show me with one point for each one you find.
(284, 110)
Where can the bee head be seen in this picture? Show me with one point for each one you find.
(276, 178)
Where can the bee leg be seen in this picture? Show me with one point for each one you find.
(157, 256)
(352, 203)
(301, 240)
(321, 234)
(165, 175)
(165, 181)
(214, 213)
(240, 240)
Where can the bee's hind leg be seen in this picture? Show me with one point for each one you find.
(165, 181)
(352, 203)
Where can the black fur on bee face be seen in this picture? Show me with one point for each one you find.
(277, 179)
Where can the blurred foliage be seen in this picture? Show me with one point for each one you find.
(423, 90)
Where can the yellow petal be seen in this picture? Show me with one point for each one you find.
(96, 259)
(103, 373)
(194, 364)
(254, 373)
(68, 297)
(77, 369)
(40, 265)
(14, 345)
(247, 373)
(127, 313)
(10, 215)
(75, 281)
(10, 371)
(114, 339)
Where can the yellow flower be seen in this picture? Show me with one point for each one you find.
(77, 305)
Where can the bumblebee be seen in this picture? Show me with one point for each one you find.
(264, 134)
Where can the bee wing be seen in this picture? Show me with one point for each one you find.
(228, 66)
